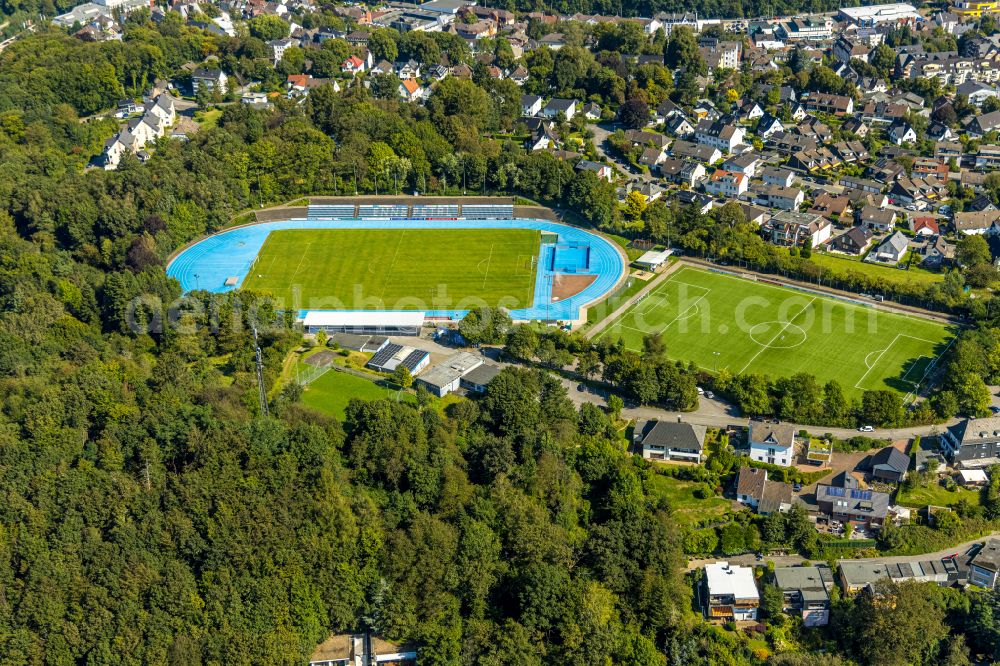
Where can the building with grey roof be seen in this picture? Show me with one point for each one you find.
(889, 464)
(843, 499)
(806, 592)
(446, 377)
(973, 442)
(984, 569)
(667, 440)
(478, 380)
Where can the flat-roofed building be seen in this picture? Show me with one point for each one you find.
(730, 592)
(446, 377)
(363, 322)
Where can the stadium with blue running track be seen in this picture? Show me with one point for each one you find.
(220, 262)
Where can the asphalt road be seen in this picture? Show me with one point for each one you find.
(791, 560)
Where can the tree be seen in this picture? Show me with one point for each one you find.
(732, 539)
(682, 52)
(522, 343)
(973, 250)
(401, 377)
(268, 27)
(772, 601)
(897, 625)
(881, 407)
(384, 86)
(615, 405)
(634, 113)
(382, 44)
(485, 325)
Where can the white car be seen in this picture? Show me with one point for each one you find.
(701, 391)
(866, 429)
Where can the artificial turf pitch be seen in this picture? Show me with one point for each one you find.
(744, 326)
(397, 269)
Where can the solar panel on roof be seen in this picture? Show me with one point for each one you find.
(861, 494)
(835, 491)
(413, 359)
(382, 356)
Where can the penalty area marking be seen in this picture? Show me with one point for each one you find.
(881, 352)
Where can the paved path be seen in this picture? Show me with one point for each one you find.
(614, 316)
(791, 560)
(601, 135)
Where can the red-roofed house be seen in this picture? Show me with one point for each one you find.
(727, 183)
(410, 90)
(924, 226)
(353, 66)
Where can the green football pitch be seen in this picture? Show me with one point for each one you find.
(397, 269)
(727, 322)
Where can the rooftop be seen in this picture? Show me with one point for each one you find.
(726, 579)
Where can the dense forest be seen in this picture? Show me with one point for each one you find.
(152, 516)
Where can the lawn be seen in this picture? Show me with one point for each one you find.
(208, 119)
(744, 326)
(398, 269)
(842, 265)
(331, 392)
(935, 494)
(688, 509)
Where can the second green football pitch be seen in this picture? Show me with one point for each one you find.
(397, 269)
(727, 322)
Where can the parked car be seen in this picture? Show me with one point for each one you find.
(797, 487)
(709, 395)
(701, 391)
(866, 429)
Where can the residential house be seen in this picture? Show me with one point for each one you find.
(779, 176)
(845, 50)
(889, 464)
(891, 250)
(838, 105)
(644, 138)
(353, 66)
(531, 105)
(805, 592)
(924, 226)
(603, 171)
(746, 163)
(753, 214)
(776, 196)
(853, 241)
(520, 75)
(678, 125)
(772, 444)
(702, 153)
(855, 126)
(865, 185)
(877, 219)
(209, 80)
(789, 228)
(976, 92)
(682, 172)
(937, 252)
(851, 151)
(410, 90)
(984, 124)
(946, 150)
(567, 107)
(669, 440)
(730, 592)
(718, 134)
(769, 125)
(988, 157)
(986, 222)
(750, 482)
(981, 202)
(832, 207)
(844, 500)
(279, 46)
(984, 568)
(727, 183)
(591, 111)
(900, 132)
(651, 158)
(777, 498)
(790, 144)
(973, 443)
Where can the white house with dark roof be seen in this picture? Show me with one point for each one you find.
(567, 107)
(772, 443)
(531, 105)
(669, 440)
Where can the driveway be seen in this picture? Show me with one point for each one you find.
(601, 134)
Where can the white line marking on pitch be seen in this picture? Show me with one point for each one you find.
(388, 273)
(782, 330)
(489, 260)
(883, 351)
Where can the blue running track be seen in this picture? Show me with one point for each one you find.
(210, 262)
